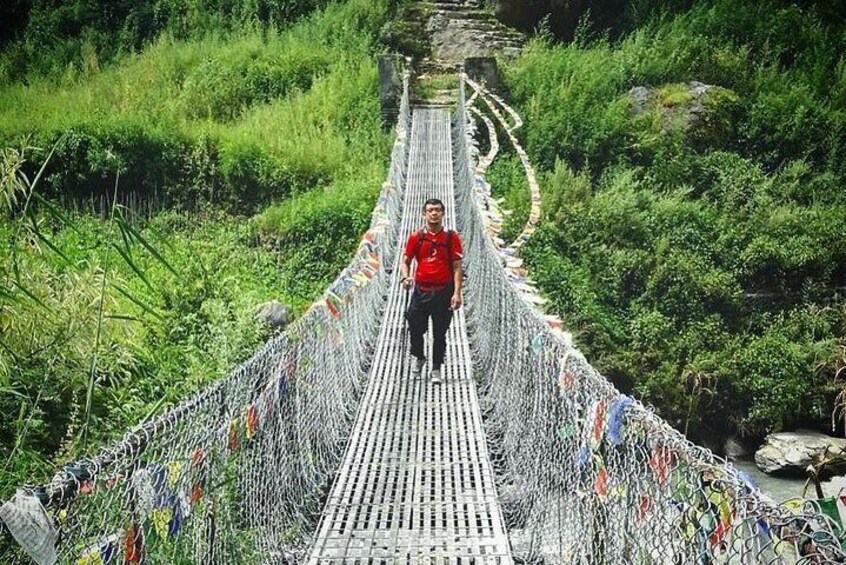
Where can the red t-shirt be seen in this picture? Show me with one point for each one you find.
(433, 265)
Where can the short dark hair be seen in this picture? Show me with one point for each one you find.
(434, 202)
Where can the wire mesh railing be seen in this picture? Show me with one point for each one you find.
(236, 473)
(586, 474)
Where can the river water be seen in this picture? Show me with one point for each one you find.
(778, 488)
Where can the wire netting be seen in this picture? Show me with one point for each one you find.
(586, 474)
(237, 473)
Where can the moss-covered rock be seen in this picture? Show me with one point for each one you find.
(701, 113)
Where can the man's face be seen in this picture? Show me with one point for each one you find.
(433, 213)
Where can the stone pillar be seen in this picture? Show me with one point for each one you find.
(484, 70)
(390, 88)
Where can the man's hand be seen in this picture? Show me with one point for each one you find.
(455, 303)
(407, 283)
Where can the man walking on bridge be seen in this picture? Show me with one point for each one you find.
(437, 285)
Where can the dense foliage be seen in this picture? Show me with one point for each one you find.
(47, 37)
(246, 159)
(507, 178)
(695, 238)
(238, 119)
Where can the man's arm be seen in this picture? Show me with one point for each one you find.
(405, 269)
(405, 265)
(457, 278)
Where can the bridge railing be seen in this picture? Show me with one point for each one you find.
(234, 474)
(586, 474)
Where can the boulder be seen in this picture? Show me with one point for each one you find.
(734, 449)
(835, 486)
(792, 452)
(704, 112)
(274, 314)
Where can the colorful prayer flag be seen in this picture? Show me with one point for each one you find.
(251, 421)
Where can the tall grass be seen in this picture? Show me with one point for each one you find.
(259, 113)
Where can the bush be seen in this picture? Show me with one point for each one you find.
(682, 255)
(508, 181)
(162, 337)
(306, 231)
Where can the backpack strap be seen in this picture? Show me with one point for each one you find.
(421, 235)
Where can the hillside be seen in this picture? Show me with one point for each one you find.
(694, 239)
(192, 174)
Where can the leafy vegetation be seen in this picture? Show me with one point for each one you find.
(46, 38)
(406, 31)
(187, 181)
(694, 237)
(508, 182)
(238, 120)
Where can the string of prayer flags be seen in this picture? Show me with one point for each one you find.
(102, 553)
(199, 474)
(333, 306)
(644, 506)
(615, 418)
(133, 549)
(537, 343)
(661, 461)
(594, 425)
(600, 486)
(161, 520)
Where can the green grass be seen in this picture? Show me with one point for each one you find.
(258, 113)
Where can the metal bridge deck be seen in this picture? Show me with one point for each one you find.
(416, 484)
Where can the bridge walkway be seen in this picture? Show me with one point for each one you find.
(416, 484)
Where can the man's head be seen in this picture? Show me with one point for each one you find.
(433, 212)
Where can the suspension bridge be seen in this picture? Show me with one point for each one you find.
(324, 449)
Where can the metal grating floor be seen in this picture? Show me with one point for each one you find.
(416, 484)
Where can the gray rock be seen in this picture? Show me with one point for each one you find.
(639, 96)
(703, 111)
(274, 314)
(792, 452)
(834, 486)
(734, 449)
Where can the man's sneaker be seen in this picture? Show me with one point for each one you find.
(436, 376)
(417, 367)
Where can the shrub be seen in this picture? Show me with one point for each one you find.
(679, 254)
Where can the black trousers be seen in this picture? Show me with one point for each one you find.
(422, 306)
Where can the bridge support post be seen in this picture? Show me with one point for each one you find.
(391, 69)
(484, 70)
